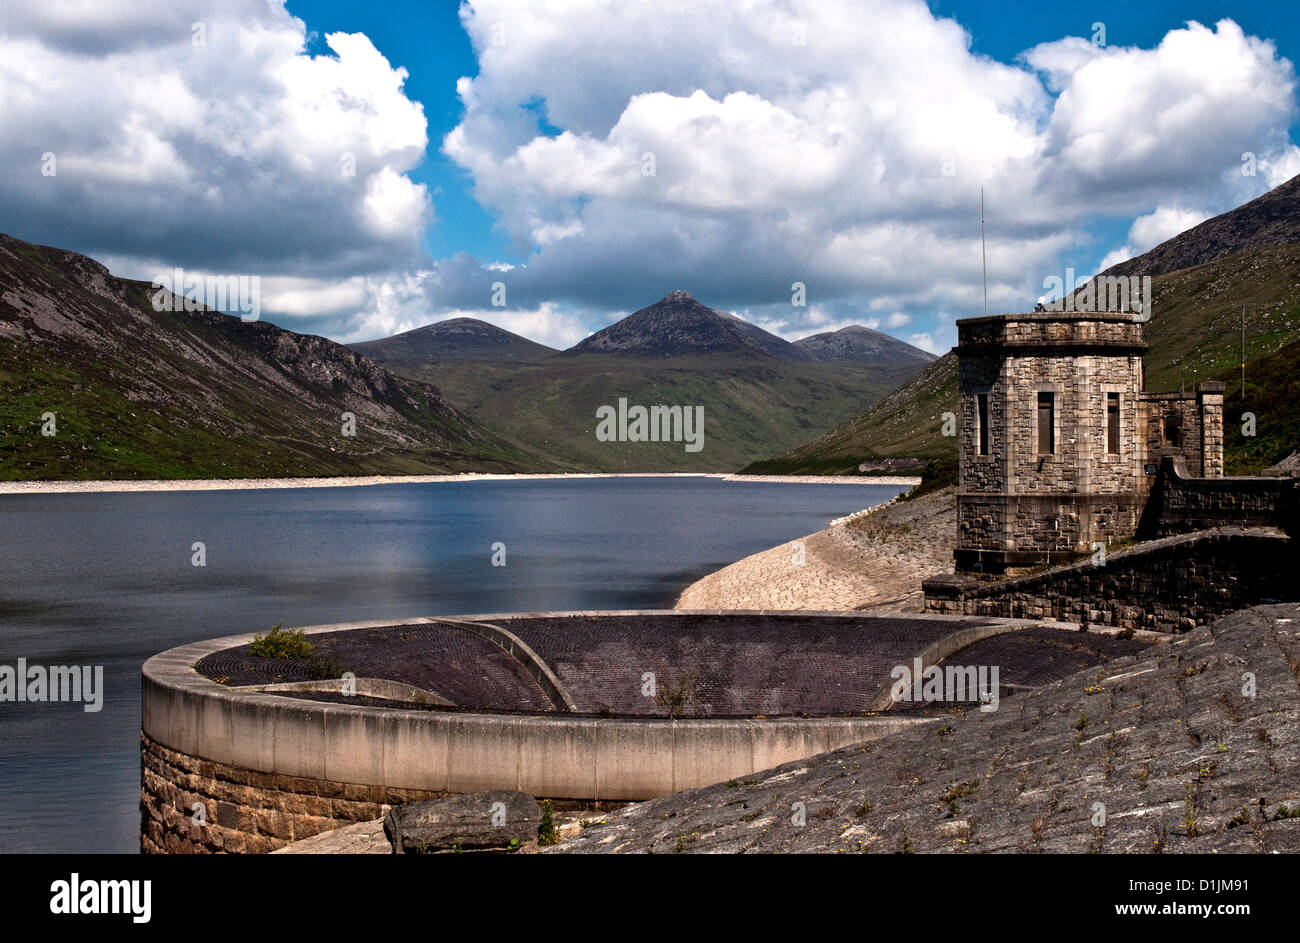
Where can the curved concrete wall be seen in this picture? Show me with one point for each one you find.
(301, 748)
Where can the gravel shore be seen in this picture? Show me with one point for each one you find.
(873, 560)
(247, 484)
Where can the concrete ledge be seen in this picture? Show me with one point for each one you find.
(949, 645)
(532, 663)
(364, 687)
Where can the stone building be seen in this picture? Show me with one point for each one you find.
(1059, 444)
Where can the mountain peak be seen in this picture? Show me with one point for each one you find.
(858, 344)
(680, 326)
(456, 339)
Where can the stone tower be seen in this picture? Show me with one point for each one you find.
(1058, 443)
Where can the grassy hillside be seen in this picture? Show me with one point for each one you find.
(906, 423)
(140, 393)
(1194, 334)
(1273, 395)
(1195, 329)
(753, 405)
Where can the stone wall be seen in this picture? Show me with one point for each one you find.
(1167, 585)
(1022, 505)
(245, 811)
(1181, 503)
(1172, 428)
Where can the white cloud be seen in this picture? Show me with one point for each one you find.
(853, 163)
(699, 146)
(926, 342)
(231, 154)
(1150, 230)
(1281, 167)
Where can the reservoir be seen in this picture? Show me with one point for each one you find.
(108, 579)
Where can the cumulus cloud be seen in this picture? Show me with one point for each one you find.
(221, 144)
(1150, 230)
(842, 145)
(629, 149)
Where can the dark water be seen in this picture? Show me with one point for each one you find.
(107, 579)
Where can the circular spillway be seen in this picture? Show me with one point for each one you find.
(590, 706)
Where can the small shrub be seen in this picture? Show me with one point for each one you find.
(281, 643)
(546, 834)
(676, 697)
(905, 846)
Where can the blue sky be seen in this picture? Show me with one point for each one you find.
(839, 145)
(427, 39)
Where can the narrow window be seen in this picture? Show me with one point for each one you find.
(1172, 431)
(982, 408)
(1046, 423)
(1112, 423)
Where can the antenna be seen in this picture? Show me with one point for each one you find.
(984, 259)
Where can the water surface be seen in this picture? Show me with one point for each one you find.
(107, 579)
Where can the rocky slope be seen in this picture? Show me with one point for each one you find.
(1159, 752)
(1269, 220)
(140, 393)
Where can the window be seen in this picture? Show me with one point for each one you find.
(1112, 423)
(1173, 430)
(1046, 423)
(982, 421)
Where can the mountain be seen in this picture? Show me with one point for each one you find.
(757, 391)
(679, 326)
(456, 339)
(1269, 220)
(1246, 260)
(857, 344)
(141, 393)
(904, 423)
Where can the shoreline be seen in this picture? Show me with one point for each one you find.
(65, 486)
(872, 560)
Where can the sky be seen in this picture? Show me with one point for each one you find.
(553, 165)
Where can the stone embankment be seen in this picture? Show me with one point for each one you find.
(1166, 585)
(872, 560)
(1187, 747)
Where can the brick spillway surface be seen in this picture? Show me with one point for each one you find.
(1038, 656)
(1033, 657)
(465, 668)
(733, 665)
